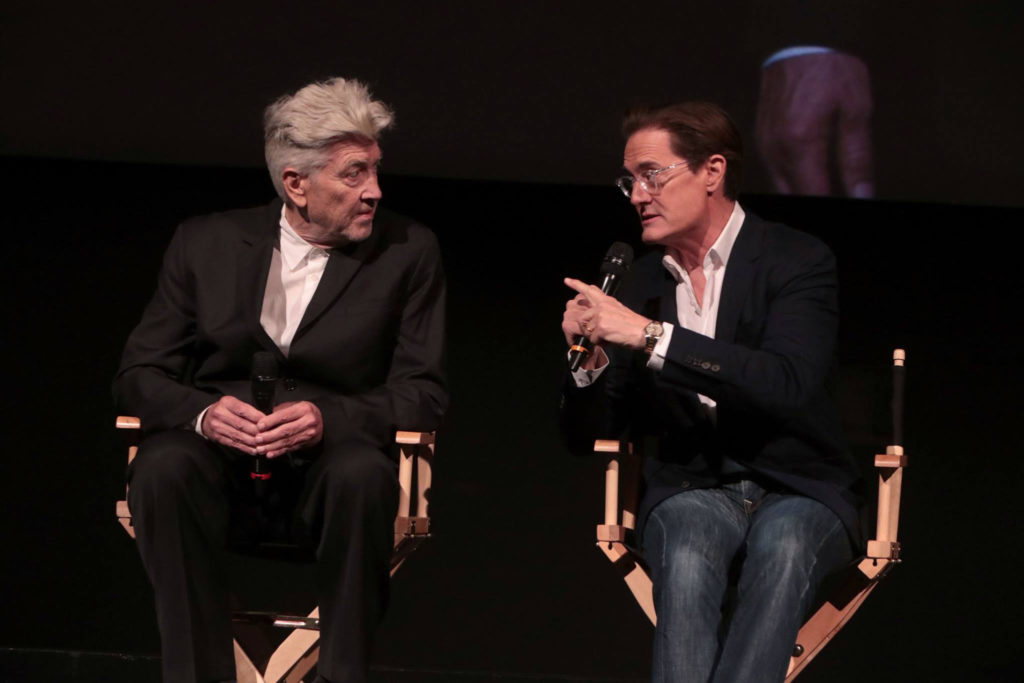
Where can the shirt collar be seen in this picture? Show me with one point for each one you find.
(719, 252)
(294, 250)
(723, 245)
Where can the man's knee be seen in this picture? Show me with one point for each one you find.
(172, 461)
(689, 536)
(798, 546)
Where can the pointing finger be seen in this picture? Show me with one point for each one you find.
(589, 291)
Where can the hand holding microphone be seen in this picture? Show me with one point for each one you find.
(264, 382)
(288, 426)
(595, 312)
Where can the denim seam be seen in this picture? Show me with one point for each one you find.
(817, 554)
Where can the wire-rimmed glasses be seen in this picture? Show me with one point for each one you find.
(648, 180)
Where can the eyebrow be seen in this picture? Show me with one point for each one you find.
(364, 163)
(643, 166)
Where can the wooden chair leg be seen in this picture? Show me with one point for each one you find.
(294, 658)
(245, 670)
(621, 483)
(832, 616)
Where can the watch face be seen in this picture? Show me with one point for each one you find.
(654, 329)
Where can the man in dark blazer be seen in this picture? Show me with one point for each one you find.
(716, 354)
(351, 303)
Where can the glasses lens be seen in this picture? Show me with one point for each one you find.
(625, 183)
(650, 182)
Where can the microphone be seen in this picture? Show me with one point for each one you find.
(264, 381)
(614, 267)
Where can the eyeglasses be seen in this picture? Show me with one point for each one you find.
(648, 180)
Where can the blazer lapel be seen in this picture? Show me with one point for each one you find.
(667, 300)
(657, 299)
(739, 277)
(662, 306)
(342, 266)
(253, 268)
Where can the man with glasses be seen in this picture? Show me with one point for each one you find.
(716, 352)
(349, 300)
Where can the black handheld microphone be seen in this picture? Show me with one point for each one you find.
(264, 380)
(614, 267)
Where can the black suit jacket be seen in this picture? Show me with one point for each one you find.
(766, 368)
(369, 351)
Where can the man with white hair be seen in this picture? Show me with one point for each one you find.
(350, 300)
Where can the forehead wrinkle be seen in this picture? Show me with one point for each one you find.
(357, 155)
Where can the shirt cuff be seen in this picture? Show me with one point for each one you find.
(197, 424)
(584, 378)
(657, 360)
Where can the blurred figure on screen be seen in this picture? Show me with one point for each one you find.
(813, 122)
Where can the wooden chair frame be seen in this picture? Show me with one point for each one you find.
(622, 472)
(296, 656)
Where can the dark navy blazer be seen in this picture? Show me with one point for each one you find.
(766, 368)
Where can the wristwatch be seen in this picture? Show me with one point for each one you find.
(652, 333)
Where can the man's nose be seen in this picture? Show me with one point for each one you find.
(371, 191)
(639, 195)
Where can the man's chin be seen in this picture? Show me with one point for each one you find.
(651, 235)
(359, 231)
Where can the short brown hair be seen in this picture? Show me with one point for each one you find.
(698, 130)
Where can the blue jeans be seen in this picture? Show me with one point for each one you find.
(783, 545)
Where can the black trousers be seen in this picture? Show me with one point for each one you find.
(190, 499)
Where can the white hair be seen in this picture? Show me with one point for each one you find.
(299, 129)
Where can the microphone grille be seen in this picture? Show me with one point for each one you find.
(618, 259)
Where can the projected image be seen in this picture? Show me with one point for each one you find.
(813, 129)
(866, 99)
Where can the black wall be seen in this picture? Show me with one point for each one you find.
(530, 90)
(512, 581)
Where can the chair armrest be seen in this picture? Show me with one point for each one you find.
(127, 422)
(621, 482)
(414, 438)
(415, 456)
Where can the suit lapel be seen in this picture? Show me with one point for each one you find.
(657, 295)
(739, 277)
(669, 312)
(662, 306)
(342, 266)
(253, 268)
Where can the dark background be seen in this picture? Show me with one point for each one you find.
(120, 122)
(527, 91)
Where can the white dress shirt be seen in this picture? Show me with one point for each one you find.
(296, 267)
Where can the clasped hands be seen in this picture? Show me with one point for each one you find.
(236, 424)
(603, 320)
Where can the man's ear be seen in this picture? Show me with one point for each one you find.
(295, 185)
(716, 168)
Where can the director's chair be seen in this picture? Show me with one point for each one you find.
(296, 656)
(852, 586)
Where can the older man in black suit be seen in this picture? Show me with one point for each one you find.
(717, 350)
(350, 300)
